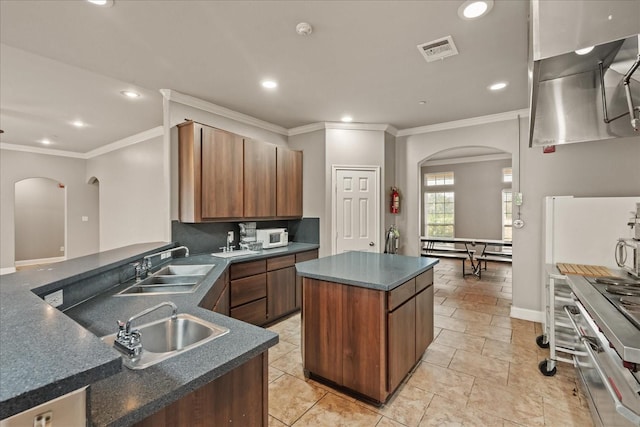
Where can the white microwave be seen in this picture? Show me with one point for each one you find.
(272, 237)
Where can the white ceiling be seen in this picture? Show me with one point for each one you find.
(67, 60)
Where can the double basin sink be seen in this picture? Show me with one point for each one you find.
(171, 279)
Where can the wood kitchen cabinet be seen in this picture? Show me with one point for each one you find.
(225, 176)
(217, 298)
(248, 287)
(259, 179)
(301, 257)
(239, 397)
(281, 286)
(364, 339)
(289, 183)
(210, 173)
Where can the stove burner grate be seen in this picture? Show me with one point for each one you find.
(618, 281)
(623, 290)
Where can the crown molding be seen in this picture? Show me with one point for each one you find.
(306, 129)
(125, 142)
(39, 150)
(338, 125)
(471, 159)
(181, 98)
(474, 121)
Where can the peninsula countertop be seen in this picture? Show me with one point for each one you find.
(366, 269)
(119, 396)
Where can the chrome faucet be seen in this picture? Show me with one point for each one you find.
(129, 342)
(146, 261)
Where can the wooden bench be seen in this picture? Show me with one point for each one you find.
(451, 253)
(492, 258)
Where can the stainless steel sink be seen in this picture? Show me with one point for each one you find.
(169, 337)
(171, 279)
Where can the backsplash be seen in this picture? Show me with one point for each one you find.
(211, 236)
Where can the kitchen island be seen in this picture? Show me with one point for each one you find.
(367, 318)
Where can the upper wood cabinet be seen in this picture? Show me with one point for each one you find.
(289, 183)
(224, 176)
(211, 173)
(259, 179)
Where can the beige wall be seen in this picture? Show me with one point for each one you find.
(82, 200)
(131, 194)
(39, 219)
(604, 168)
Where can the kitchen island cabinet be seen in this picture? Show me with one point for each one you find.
(366, 319)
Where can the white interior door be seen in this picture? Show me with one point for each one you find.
(357, 210)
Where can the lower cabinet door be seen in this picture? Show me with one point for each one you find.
(254, 312)
(402, 342)
(424, 321)
(281, 292)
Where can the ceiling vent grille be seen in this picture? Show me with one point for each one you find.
(438, 49)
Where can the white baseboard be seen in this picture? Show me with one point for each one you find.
(7, 270)
(40, 261)
(526, 314)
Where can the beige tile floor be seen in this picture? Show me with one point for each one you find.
(480, 370)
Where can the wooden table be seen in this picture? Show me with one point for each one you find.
(470, 248)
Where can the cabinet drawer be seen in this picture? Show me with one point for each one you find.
(424, 280)
(247, 269)
(400, 294)
(280, 262)
(306, 256)
(254, 312)
(248, 289)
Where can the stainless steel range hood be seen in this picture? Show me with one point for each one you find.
(567, 100)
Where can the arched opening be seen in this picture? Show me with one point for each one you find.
(468, 193)
(40, 221)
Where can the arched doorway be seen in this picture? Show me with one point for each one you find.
(40, 221)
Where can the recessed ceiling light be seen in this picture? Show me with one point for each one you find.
(78, 123)
(422, 102)
(347, 119)
(472, 9)
(45, 141)
(130, 94)
(104, 3)
(584, 51)
(269, 84)
(304, 29)
(498, 86)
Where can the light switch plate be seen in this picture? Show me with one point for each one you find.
(54, 299)
(518, 199)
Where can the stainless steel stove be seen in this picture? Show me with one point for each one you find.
(622, 292)
(606, 321)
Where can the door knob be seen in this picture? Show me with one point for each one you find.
(371, 243)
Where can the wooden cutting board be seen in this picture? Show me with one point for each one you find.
(584, 270)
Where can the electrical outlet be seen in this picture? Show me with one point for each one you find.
(230, 236)
(43, 420)
(85, 218)
(55, 299)
(165, 256)
(61, 248)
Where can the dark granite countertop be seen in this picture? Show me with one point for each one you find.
(59, 352)
(366, 269)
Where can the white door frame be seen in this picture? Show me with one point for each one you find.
(334, 205)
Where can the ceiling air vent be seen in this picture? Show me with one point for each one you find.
(438, 49)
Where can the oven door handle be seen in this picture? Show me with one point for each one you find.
(589, 344)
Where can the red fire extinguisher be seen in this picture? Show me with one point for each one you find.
(395, 200)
